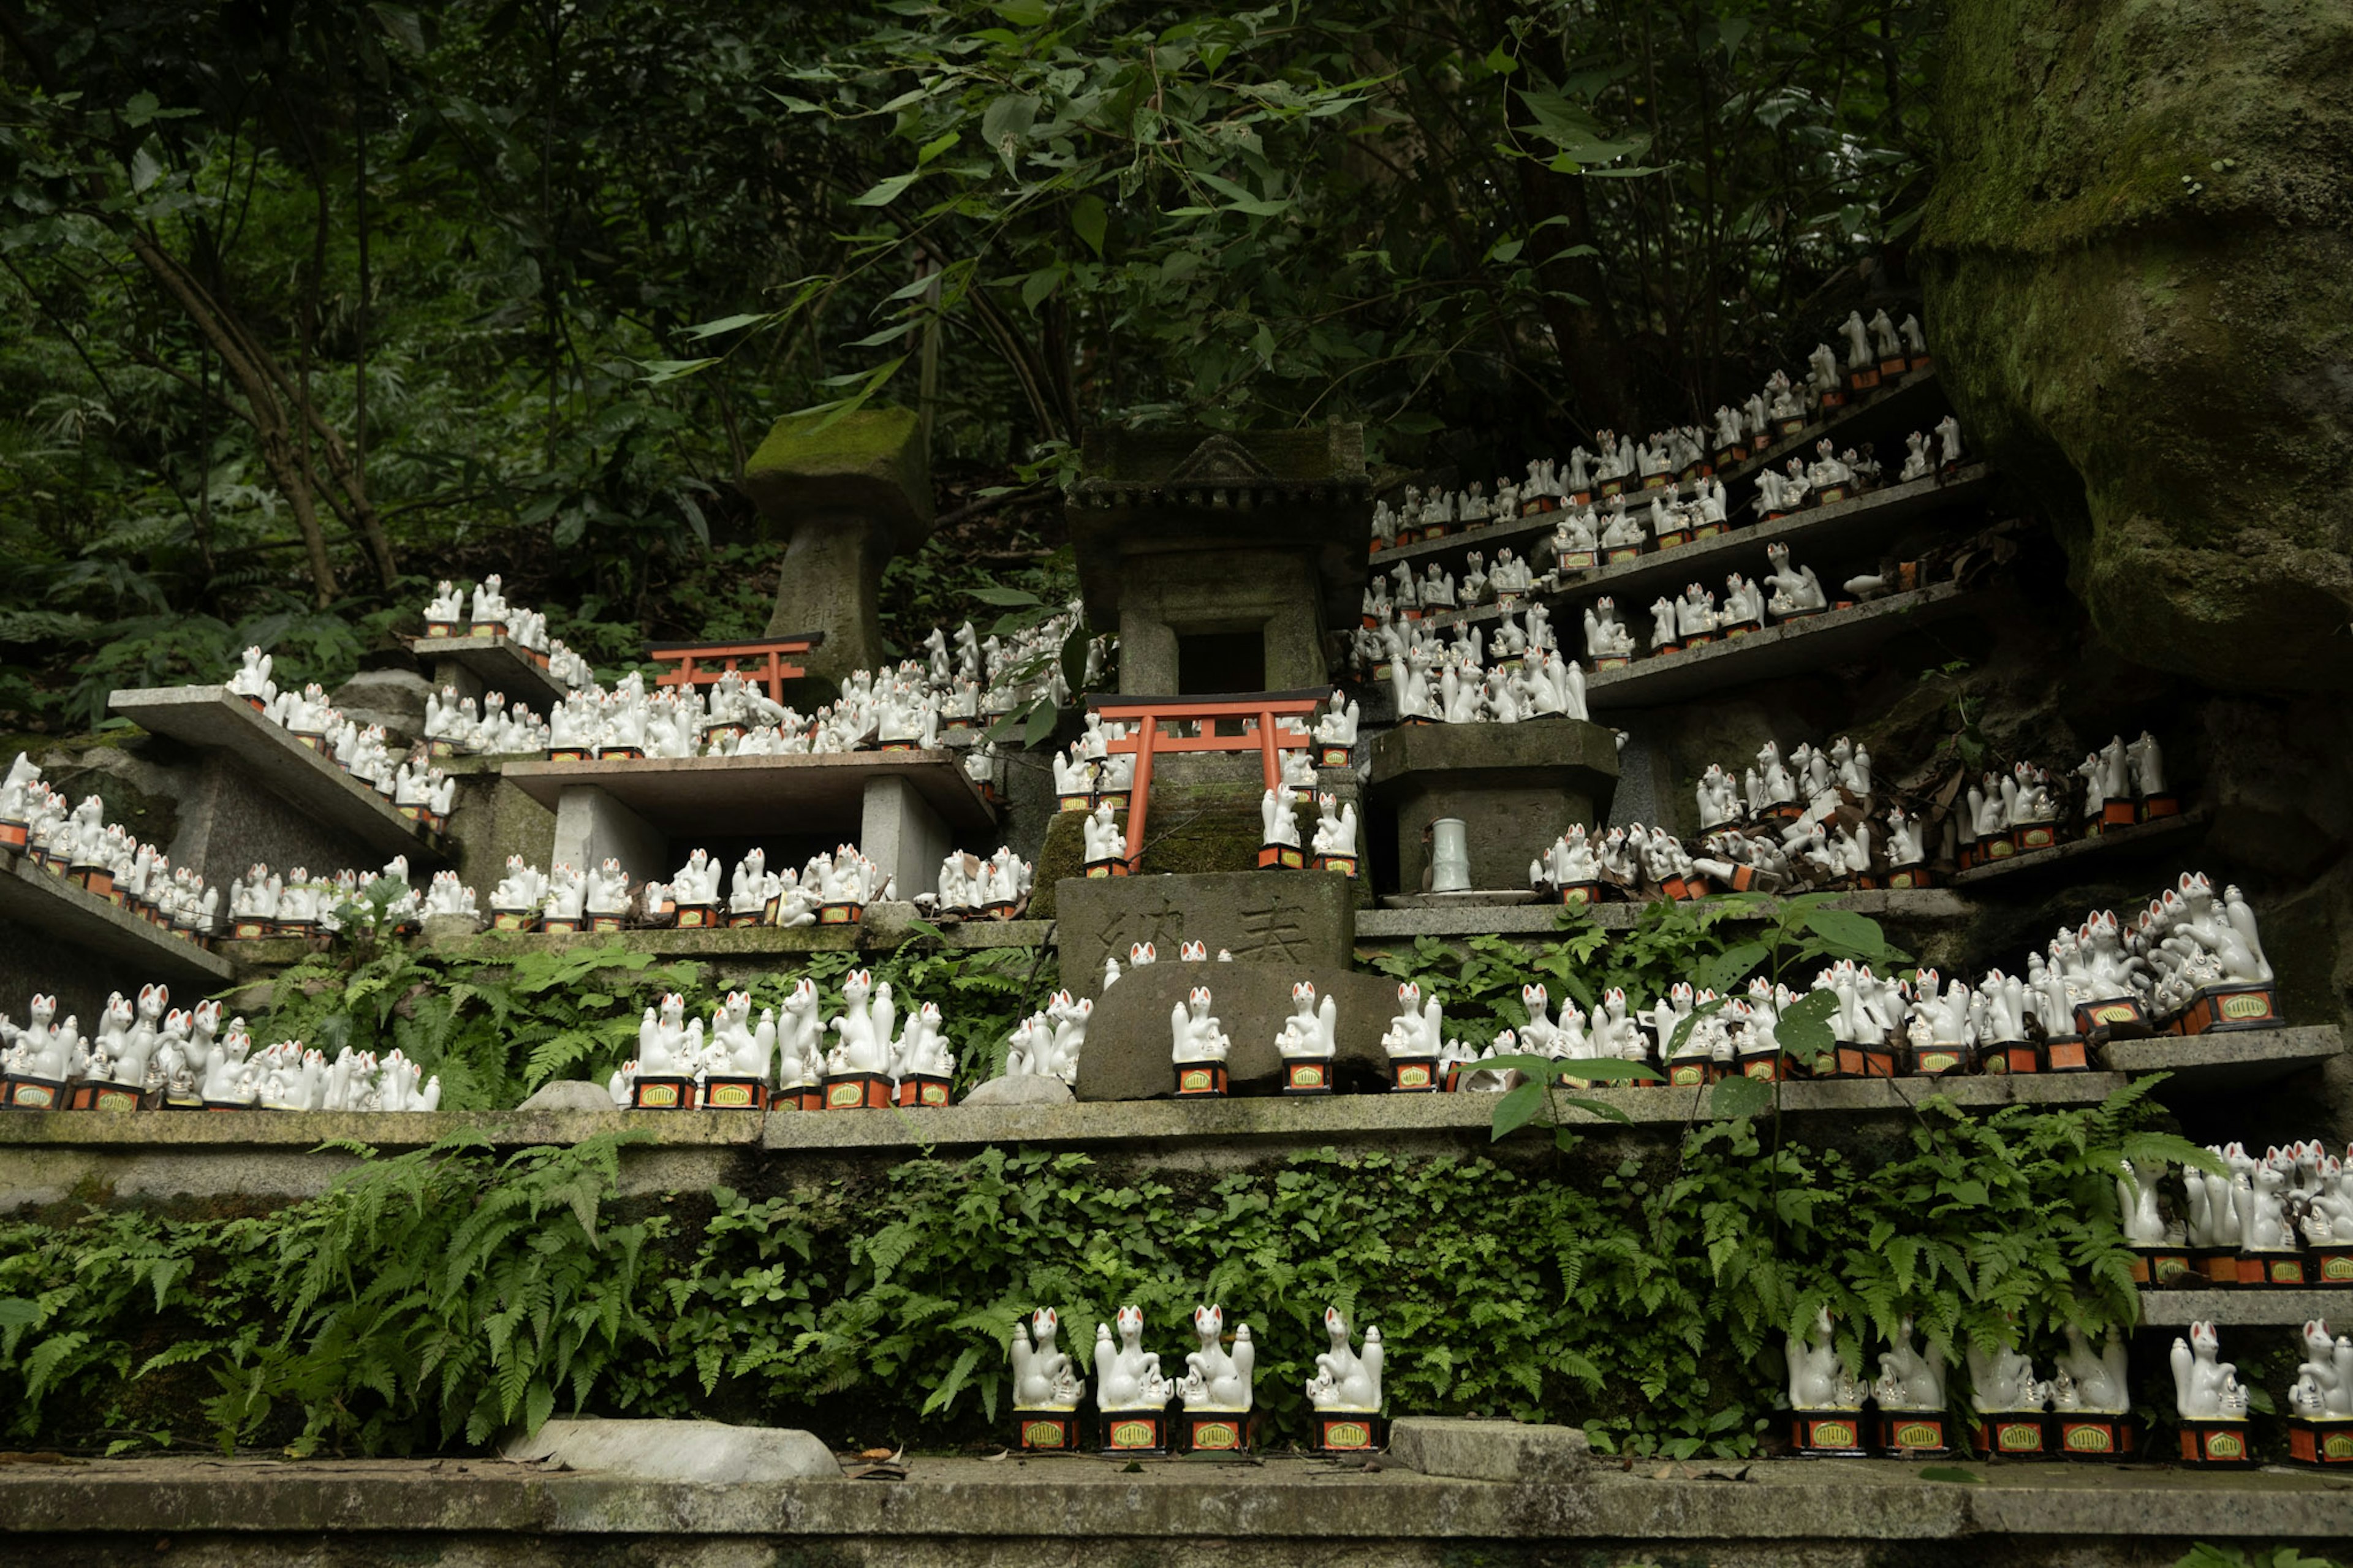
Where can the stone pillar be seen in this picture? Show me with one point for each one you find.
(899, 832)
(846, 496)
(1517, 787)
(592, 827)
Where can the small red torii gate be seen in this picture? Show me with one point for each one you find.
(702, 663)
(1257, 711)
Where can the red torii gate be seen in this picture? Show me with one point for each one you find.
(1257, 711)
(716, 659)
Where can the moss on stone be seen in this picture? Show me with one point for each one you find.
(2139, 259)
(870, 461)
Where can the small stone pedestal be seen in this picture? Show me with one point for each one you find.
(1515, 786)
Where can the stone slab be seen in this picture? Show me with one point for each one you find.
(210, 719)
(1790, 647)
(1028, 1089)
(1409, 920)
(1266, 917)
(2249, 1307)
(886, 925)
(1129, 1053)
(2141, 837)
(2228, 1058)
(1279, 1509)
(753, 795)
(1892, 409)
(1475, 1449)
(1815, 536)
(706, 1453)
(51, 909)
(498, 663)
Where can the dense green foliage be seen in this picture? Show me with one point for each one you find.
(304, 304)
(433, 1298)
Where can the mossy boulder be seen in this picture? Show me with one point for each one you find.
(2138, 259)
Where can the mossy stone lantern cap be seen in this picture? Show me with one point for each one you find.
(1221, 560)
(848, 495)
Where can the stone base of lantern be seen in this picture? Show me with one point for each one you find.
(1200, 1080)
(2167, 1266)
(1310, 1077)
(1344, 1432)
(1413, 1075)
(1047, 1431)
(858, 1090)
(2094, 1435)
(115, 1097)
(1827, 1433)
(924, 1088)
(2013, 1434)
(2222, 1008)
(1912, 1434)
(2217, 1443)
(662, 1093)
(734, 1093)
(1135, 1434)
(2326, 1441)
(1215, 1432)
(2280, 1270)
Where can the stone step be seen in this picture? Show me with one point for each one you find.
(2249, 1307)
(46, 1155)
(1783, 1513)
(2144, 837)
(1787, 647)
(212, 719)
(51, 909)
(493, 664)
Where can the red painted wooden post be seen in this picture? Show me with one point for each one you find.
(1149, 713)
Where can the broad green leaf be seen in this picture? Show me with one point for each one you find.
(889, 191)
(1006, 598)
(1089, 220)
(1738, 1095)
(1515, 1110)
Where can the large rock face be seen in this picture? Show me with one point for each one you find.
(2139, 265)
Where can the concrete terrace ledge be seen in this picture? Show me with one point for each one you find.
(42, 900)
(1790, 1510)
(498, 663)
(212, 719)
(1786, 647)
